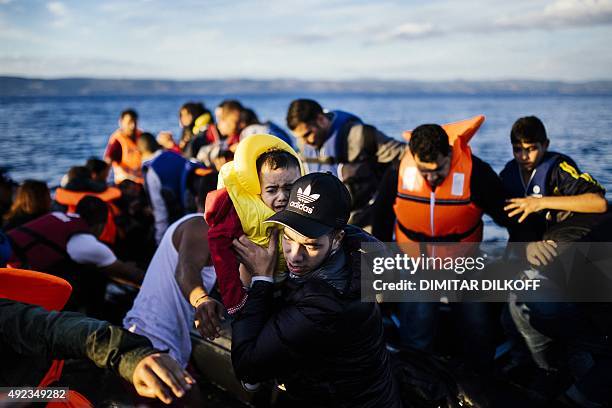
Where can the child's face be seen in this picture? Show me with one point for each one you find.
(276, 186)
(529, 155)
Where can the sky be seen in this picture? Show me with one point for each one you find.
(435, 40)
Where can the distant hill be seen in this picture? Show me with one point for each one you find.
(14, 86)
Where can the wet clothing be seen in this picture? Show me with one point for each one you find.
(486, 192)
(160, 312)
(319, 339)
(31, 337)
(556, 175)
(358, 154)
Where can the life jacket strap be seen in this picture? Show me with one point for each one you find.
(420, 237)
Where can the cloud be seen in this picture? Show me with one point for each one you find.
(60, 12)
(407, 31)
(562, 14)
(57, 9)
(304, 39)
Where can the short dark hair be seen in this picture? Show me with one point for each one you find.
(200, 186)
(129, 112)
(248, 117)
(302, 111)
(429, 141)
(195, 109)
(78, 173)
(96, 165)
(276, 159)
(150, 143)
(231, 105)
(528, 129)
(92, 210)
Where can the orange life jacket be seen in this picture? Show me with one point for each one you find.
(464, 129)
(448, 214)
(130, 167)
(71, 200)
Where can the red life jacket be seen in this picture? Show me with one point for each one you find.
(41, 244)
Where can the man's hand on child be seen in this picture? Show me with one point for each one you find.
(208, 317)
(258, 260)
(524, 206)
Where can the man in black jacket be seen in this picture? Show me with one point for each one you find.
(320, 340)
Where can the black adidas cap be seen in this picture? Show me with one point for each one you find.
(318, 204)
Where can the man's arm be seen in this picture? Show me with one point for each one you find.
(113, 152)
(86, 249)
(32, 331)
(488, 192)
(190, 240)
(383, 217)
(266, 344)
(124, 272)
(369, 141)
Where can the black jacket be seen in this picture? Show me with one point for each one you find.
(320, 340)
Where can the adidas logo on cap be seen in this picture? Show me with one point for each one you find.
(304, 197)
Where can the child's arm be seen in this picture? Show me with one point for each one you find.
(224, 227)
(583, 203)
(571, 191)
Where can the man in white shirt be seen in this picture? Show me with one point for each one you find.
(175, 291)
(67, 245)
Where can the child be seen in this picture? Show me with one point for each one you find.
(255, 185)
(537, 180)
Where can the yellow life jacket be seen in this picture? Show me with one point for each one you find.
(241, 179)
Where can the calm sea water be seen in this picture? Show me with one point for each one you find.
(42, 137)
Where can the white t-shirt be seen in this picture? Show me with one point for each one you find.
(160, 312)
(84, 248)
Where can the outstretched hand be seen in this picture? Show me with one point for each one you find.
(159, 376)
(258, 260)
(523, 206)
(208, 317)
